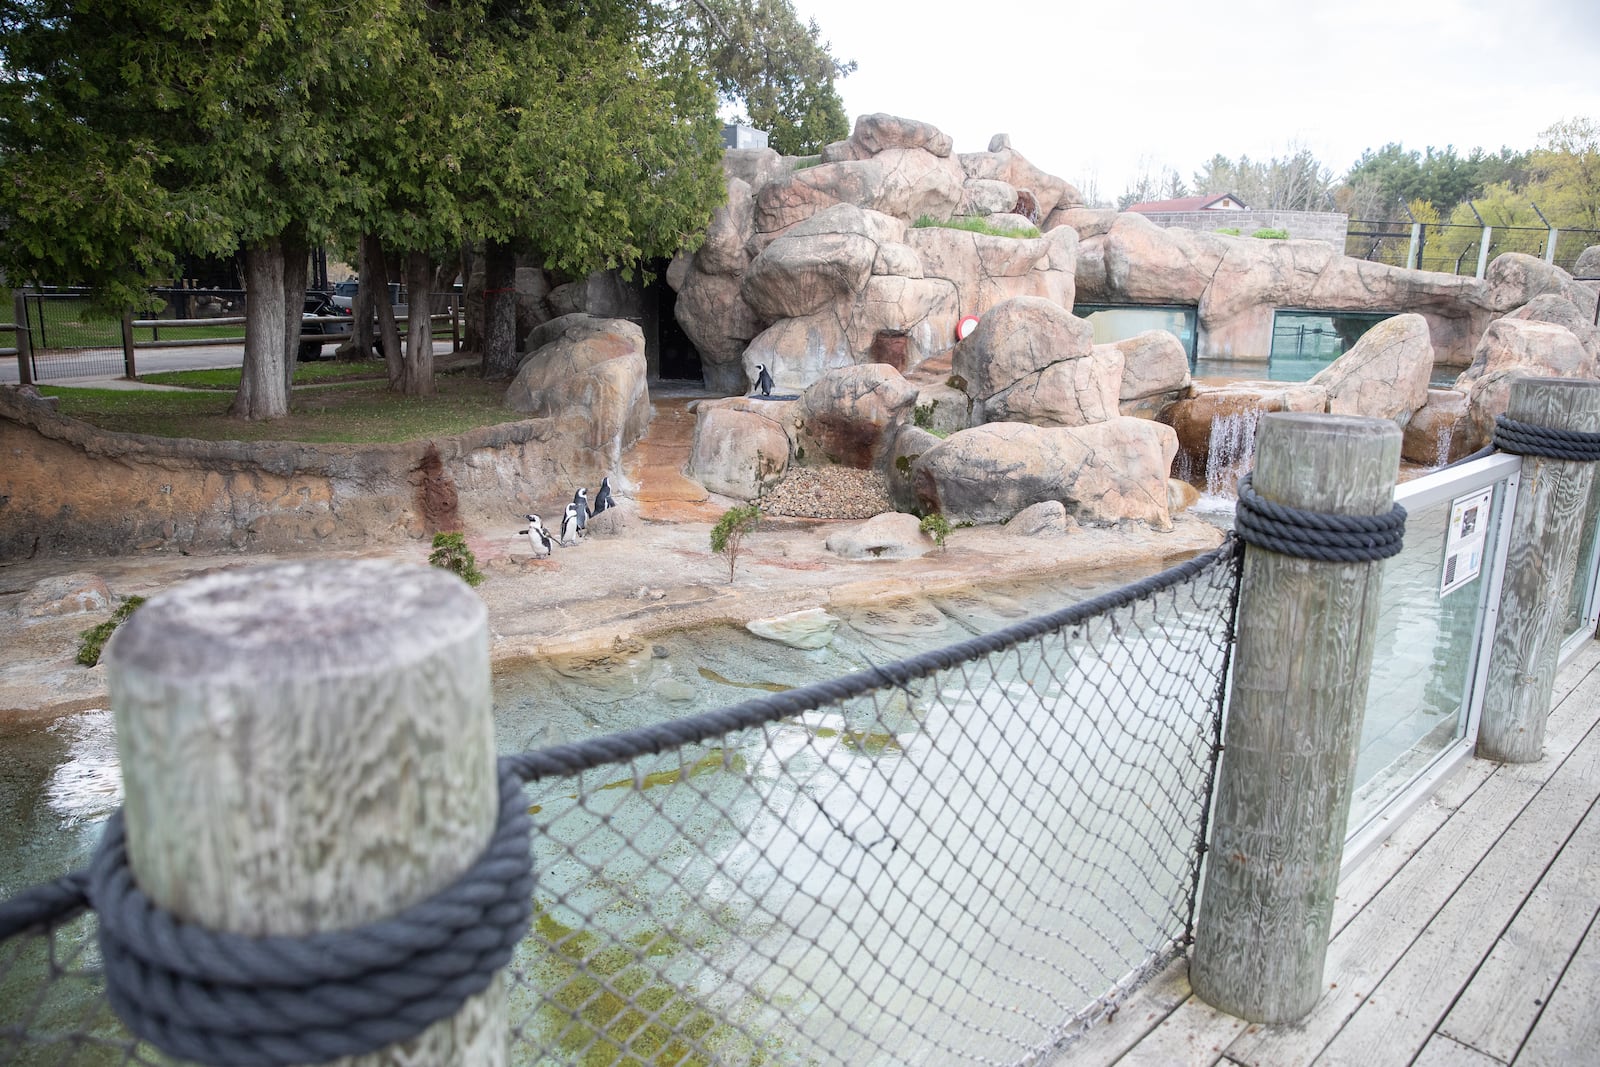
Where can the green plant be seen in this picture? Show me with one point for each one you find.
(450, 553)
(975, 225)
(1231, 231)
(922, 415)
(727, 536)
(935, 526)
(806, 162)
(92, 641)
(1271, 235)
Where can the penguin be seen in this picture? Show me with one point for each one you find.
(538, 537)
(571, 524)
(763, 379)
(580, 502)
(602, 496)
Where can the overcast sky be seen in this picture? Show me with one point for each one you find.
(1107, 90)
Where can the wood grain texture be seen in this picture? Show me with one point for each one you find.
(1301, 666)
(309, 746)
(1541, 562)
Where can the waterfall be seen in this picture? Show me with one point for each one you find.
(1442, 444)
(1230, 451)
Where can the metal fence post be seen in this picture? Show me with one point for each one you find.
(19, 303)
(1483, 251)
(1541, 565)
(310, 746)
(1306, 631)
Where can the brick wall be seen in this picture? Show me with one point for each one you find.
(1326, 226)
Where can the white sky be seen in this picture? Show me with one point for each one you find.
(1110, 90)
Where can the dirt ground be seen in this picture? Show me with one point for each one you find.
(651, 578)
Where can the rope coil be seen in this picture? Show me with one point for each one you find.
(221, 998)
(1526, 439)
(1317, 535)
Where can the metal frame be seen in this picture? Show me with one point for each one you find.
(1591, 601)
(1425, 492)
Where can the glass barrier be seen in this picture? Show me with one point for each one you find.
(1426, 686)
(1582, 605)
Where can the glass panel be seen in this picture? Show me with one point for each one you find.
(1120, 323)
(1576, 622)
(1423, 664)
(1304, 342)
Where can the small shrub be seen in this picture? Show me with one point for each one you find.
(450, 553)
(92, 642)
(975, 225)
(1231, 231)
(1271, 235)
(937, 527)
(727, 536)
(922, 415)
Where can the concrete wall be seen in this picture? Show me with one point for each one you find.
(1326, 226)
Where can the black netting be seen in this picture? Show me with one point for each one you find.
(969, 861)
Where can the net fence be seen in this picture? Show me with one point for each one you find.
(968, 856)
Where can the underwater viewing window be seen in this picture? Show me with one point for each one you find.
(1118, 322)
(1304, 342)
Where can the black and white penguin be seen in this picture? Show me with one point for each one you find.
(580, 501)
(602, 496)
(538, 537)
(571, 524)
(763, 380)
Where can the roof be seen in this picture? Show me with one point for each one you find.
(1184, 203)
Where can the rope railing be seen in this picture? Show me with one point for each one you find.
(967, 855)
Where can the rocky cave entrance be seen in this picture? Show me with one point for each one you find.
(677, 359)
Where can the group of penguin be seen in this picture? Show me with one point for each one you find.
(573, 521)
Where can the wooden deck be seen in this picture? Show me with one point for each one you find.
(1470, 938)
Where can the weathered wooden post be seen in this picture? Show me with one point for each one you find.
(1541, 565)
(130, 369)
(19, 304)
(1300, 670)
(308, 747)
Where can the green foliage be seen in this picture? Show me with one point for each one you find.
(1380, 182)
(450, 553)
(935, 526)
(975, 225)
(1231, 231)
(922, 415)
(1270, 234)
(807, 162)
(767, 64)
(92, 642)
(727, 536)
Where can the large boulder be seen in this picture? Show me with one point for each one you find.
(877, 132)
(1155, 372)
(906, 183)
(850, 416)
(1434, 436)
(1514, 279)
(1560, 311)
(755, 166)
(1385, 375)
(740, 445)
(1029, 360)
(1513, 348)
(732, 226)
(826, 258)
(592, 370)
(987, 269)
(1102, 473)
(720, 324)
(1588, 263)
(892, 535)
(1004, 163)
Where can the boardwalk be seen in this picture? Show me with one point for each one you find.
(1470, 939)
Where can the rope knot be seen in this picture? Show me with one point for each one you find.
(1317, 535)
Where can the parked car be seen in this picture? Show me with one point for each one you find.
(344, 295)
(320, 306)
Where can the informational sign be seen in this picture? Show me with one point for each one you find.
(1465, 540)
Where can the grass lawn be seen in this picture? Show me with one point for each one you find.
(349, 411)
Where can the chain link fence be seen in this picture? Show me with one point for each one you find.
(966, 856)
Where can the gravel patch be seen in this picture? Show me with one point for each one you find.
(828, 493)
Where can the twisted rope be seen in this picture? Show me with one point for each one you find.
(1317, 535)
(1526, 439)
(221, 998)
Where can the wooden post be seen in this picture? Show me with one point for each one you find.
(310, 746)
(1300, 670)
(130, 370)
(1541, 565)
(19, 303)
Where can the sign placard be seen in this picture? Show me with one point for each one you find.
(1464, 542)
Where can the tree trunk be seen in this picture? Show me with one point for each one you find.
(499, 311)
(362, 308)
(472, 298)
(417, 378)
(263, 382)
(388, 334)
(296, 266)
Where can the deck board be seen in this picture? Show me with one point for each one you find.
(1489, 886)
